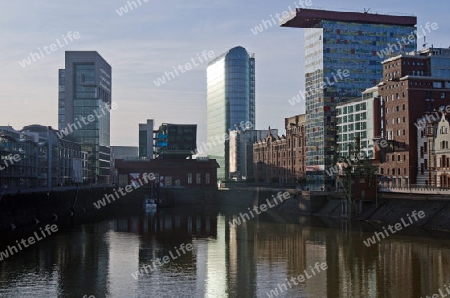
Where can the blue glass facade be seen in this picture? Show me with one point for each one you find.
(342, 59)
(230, 102)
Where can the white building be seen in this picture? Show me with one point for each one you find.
(433, 153)
(357, 118)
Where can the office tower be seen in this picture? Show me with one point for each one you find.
(230, 102)
(343, 54)
(176, 141)
(146, 136)
(84, 107)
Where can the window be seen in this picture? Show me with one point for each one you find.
(208, 178)
(442, 95)
(189, 178)
(398, 157)
(198, 179)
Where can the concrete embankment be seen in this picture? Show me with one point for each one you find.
(27, 208)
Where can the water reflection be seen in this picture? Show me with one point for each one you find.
(248, 260)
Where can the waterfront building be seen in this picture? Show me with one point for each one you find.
(84, 107)
(192, 173)
(343, 51)
(36, 157)
(282, 159)
(230, 102)
(146, 139)
(241, 152)
(122, 152)
(359, 118)
(433, 151)
(414, 84)
(175, 141)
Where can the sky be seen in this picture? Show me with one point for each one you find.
(152, 38)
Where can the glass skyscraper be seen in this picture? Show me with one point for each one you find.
(343, 54)
(84, 108)
(230, 102)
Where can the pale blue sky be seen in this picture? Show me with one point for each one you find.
(149, 40)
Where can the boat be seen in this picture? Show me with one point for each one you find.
(150, 203)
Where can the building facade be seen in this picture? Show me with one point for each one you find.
(282, 159)
(343, 51)
(433, 152)
(146, 139)
(241, 152)
(37, 157)
(410, 88)
(122, 152)
(84, 108)
(192, 173)
(176, 141)
(359, 118)
(230, 101)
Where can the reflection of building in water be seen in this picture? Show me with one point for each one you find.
(123, 259)
(212, 263)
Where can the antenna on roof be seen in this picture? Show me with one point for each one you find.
(366, 10)
(424, 41)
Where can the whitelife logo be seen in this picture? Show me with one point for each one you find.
(71, 127)
(263, 208)
(165, 260)
(184, 68)
(49, 49)
(329, 81)
(11, 250)
(398, 227)
(284, 16)
(301, 279)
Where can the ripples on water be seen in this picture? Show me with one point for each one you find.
(249, 260)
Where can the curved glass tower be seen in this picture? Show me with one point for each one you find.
(230, 102)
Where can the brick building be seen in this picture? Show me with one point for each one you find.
(413, 84)
(170, 172)
(282, 159)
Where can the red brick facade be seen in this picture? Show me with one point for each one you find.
(176, 172)
(407, 92)
(282, 159)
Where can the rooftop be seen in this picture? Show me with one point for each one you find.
(307, 18)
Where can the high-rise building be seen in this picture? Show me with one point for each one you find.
(230, 102)
(343, 54)
(414, 84)
(84, 107)
(146, 136)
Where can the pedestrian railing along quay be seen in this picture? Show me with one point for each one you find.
(416, 190)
